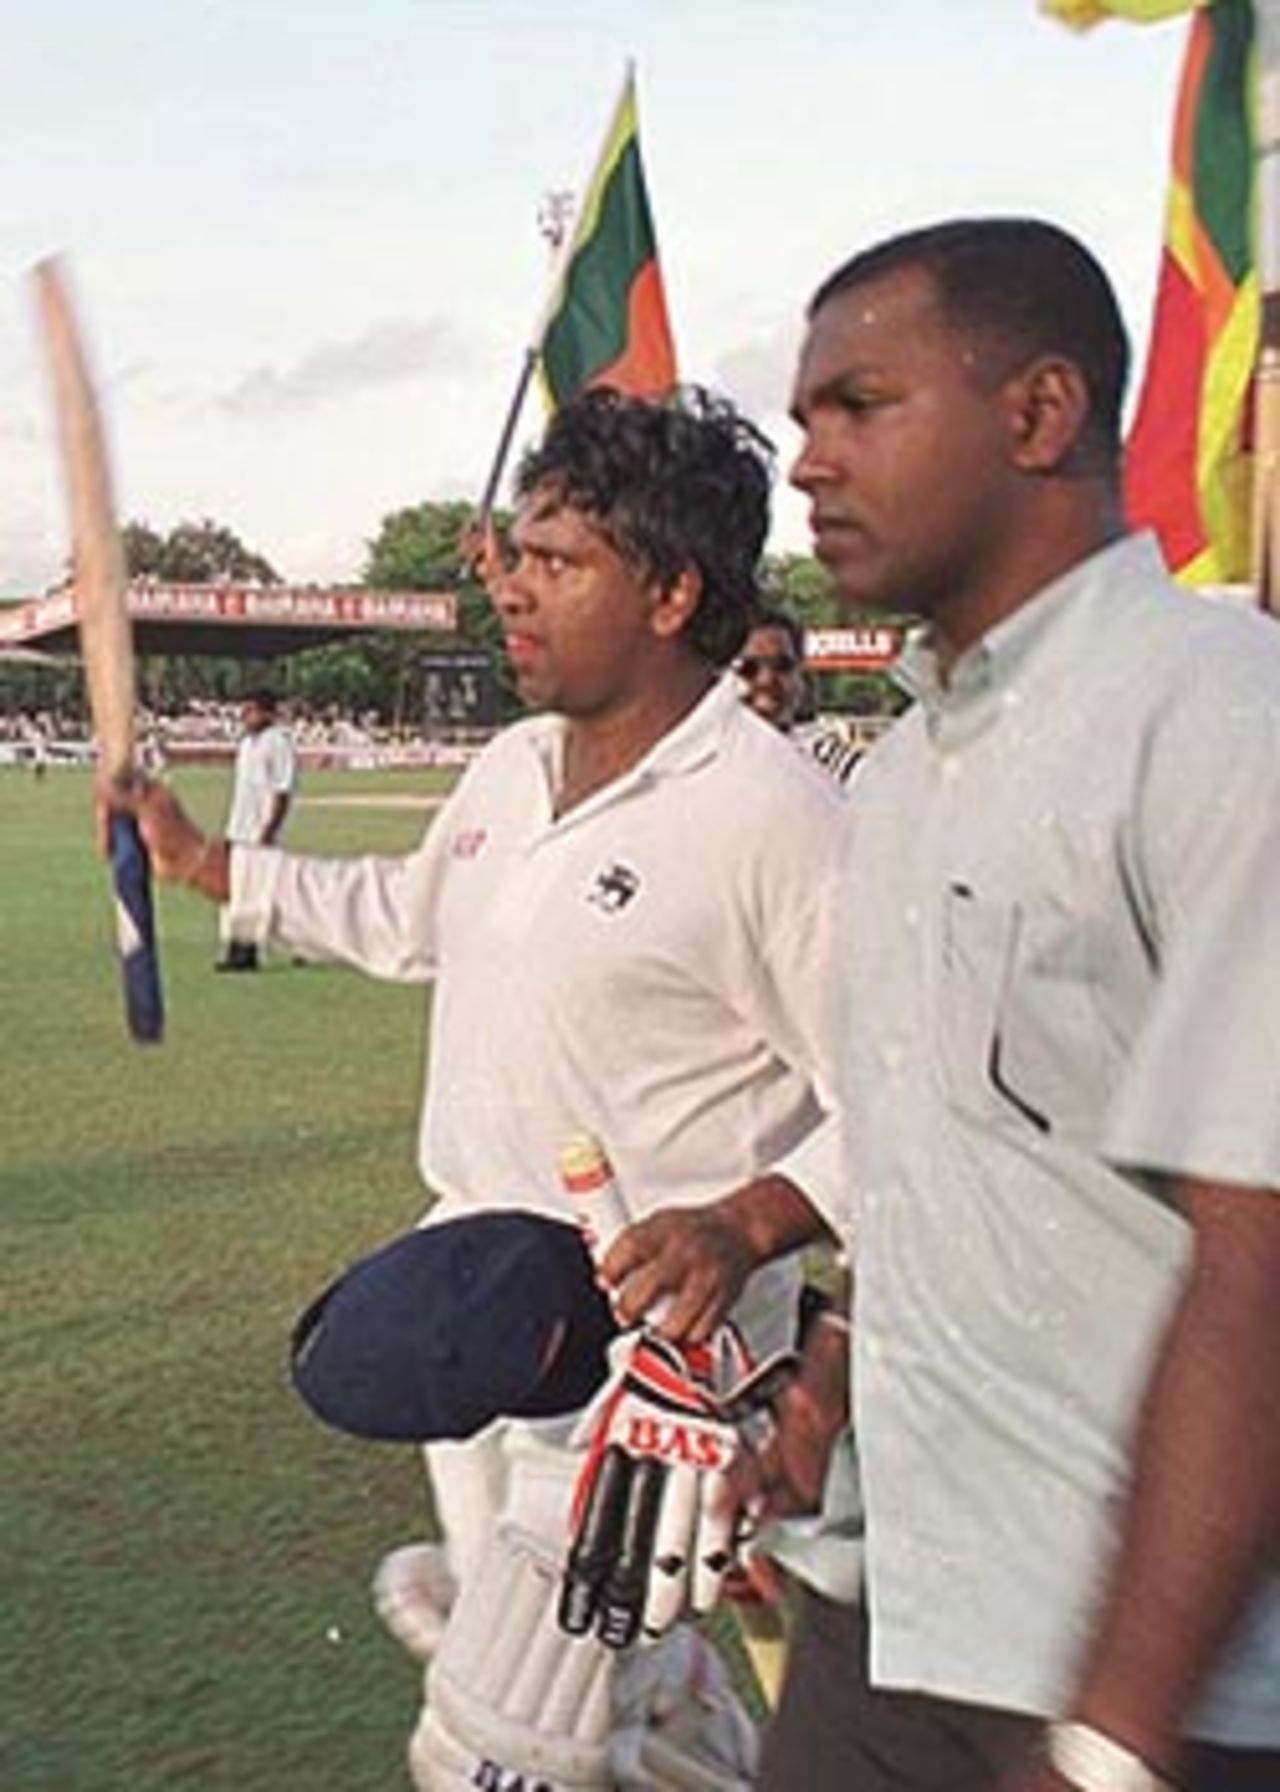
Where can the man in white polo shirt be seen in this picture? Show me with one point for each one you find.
(1062, 1071)
(627, 904)
(261, 794)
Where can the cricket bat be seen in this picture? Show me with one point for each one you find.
(106, 638)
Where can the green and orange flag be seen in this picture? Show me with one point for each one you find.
(608, 322)
(1189, 455)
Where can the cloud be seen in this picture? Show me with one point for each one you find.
(24, 432)
(32, 555)
(387, 353)
(758, 373)
(131, 374)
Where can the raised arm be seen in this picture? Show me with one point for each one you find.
(180, 852)
(376, 914)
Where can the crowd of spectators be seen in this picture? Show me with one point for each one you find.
(24, 725)
(208, 728)
(210, 720)
(203, 730)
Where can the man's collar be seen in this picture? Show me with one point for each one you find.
(697, 735)
(1003, 651)
(695, 738)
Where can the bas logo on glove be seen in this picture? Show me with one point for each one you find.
(676, 1441)
(654, 1523)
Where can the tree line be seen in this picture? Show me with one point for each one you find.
(386, 675)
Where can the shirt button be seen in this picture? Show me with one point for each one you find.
(950, 768)
(911, 916)
(891, 1055)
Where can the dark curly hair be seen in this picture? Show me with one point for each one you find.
(674, 485)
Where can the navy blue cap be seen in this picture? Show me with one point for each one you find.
(441, 1331)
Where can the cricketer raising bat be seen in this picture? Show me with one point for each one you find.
(106, 638)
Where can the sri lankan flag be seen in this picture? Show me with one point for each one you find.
(1082, 14)
(608, 314)
(1188, 460)
(1188, 463)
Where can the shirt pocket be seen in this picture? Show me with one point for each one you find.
(1021, 1037)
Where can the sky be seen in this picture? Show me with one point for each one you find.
(304, 234)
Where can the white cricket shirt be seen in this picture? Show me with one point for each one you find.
(264, 770)
(655, 966)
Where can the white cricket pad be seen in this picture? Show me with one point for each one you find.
(678, 1725)
(515, 1705)
(413, 1593)
(512, 1701)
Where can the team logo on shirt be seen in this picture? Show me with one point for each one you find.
(613, 888)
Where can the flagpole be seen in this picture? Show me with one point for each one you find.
(553, 224)
(553, 221)
(1266, 465)
(491, 484)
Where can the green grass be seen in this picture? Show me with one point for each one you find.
(186, 1551)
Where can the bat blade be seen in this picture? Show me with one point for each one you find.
(106, 636)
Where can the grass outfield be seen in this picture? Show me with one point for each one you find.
(186, 1551)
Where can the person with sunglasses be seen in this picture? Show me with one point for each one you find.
(774, 685)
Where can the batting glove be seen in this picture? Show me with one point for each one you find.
(655, 1523)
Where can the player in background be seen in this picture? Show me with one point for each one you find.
(775, 685)
(261, 794)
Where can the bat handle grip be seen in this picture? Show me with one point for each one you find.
(136, 929)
